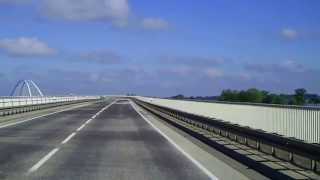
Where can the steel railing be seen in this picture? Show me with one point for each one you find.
(291, 121)
(7, 102)
(15, 105)
(302, 154)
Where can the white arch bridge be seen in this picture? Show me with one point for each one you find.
(27, 92)
(26, 88)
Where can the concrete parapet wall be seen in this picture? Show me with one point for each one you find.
(290, 121)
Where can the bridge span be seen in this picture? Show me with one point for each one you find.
(131, 138)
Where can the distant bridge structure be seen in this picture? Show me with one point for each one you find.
(26, 88)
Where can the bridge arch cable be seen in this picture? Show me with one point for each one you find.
(26, 88)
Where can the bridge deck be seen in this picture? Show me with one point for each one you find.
(117, 144)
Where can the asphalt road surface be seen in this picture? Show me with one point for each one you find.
(101, 141)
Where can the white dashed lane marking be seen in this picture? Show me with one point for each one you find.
(68, 138)
(81, 127)
(43, 160)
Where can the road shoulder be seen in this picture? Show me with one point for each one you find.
(219, 164)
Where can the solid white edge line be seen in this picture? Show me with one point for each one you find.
(43, 160)
(197, 163)
(68, 138)
(81, 127)
(19, 122)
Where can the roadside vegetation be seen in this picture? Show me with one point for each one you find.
(253, 95)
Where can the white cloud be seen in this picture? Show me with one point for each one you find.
(116, 11)
(286, 66)
(13, 1)
(194, 61)
(294, 66)
(289, 33)
(213, 72)
(154, 24)
(182, 70)
(24, 46)
(102, 57)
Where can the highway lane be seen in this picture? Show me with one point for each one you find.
(117, 144)
(24, 144)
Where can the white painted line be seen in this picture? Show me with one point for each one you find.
(194, 161)
(81, 127)
(43, 160)
(51, 153)
(37, 117)
(88, 121)
(103, 109)
(68, 138)
(122, 103)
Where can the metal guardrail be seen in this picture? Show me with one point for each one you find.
(302, 154)
(291, 121)
(22, 104)
(7, 102)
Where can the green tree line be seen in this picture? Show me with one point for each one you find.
(260, 96)
(253, 95)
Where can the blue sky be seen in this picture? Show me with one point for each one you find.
(160, 48)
